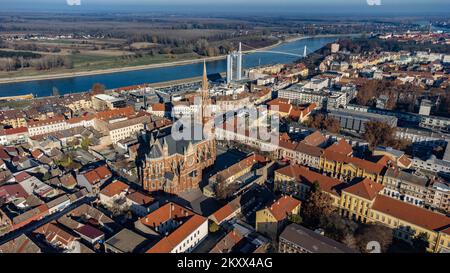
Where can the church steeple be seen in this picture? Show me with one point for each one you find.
(205, 85)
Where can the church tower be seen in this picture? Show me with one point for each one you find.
(206, 101)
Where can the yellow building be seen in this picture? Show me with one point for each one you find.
(272, 219)
(13, 118)
(297, 181)
(408, 221)
(364, 202)
(336, 161)
(357, 199)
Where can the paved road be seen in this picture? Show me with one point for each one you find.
(34, 225)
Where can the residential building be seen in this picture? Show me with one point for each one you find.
(438, 196)
(179, 229)
(232, 209)
(357, 199)
(298, 181)
(405, 186)
(92, 180)
(126, 241)
(114, 194)
(21, 244)
(140, 203)
(271, 220)
(337, 162)
(298, 239)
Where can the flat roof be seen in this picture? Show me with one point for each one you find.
(127, 241)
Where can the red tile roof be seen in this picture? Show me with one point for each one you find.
(18, 130)
(280, 105)
(284, 206)
(315, 139)
(115, 188)
(226, 244)
(304, 175)
(103, 172)
(366, 165)
(115, 113)
(158, 107)
(22, 176)
(96, 175)
(80, 119)
(12, 190)
(168, 211)
(173, 211)
(224, 212)
(340, 147)
(411, 213)
(366, 189)
(140, 198)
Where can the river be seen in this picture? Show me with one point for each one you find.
(42, 88)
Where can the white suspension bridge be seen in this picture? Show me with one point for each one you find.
(306, 51)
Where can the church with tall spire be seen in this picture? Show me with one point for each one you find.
(174, 166)
(206, 111)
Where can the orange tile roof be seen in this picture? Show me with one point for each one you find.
(140, 198)
(158, 107)
(282, 104)
(103, 172)
(115, 188)
(223, 213)
(282, 207)
(226, 244)
(304, 175)
(340, 147)
(68, 180)
(366, 165)
(168, 211)
(315, 139)
(168, 243)
(37, 153)
(55, 235)
(289, 145)
(115, 113)
(405, 161)
(366, 189)
(92, 177)
(411, 213)
(80, 119)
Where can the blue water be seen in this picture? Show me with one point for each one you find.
(153, 75)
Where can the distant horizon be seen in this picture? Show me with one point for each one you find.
(355, 8)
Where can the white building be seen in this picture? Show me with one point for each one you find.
(177, 235)
(425, 107)
(47, 126)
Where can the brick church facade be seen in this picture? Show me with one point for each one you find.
(176, 166)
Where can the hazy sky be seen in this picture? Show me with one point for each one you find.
(301, 6)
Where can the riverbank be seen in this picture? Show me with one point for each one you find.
(149, 66)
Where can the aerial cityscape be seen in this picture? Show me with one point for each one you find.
(236, 128)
